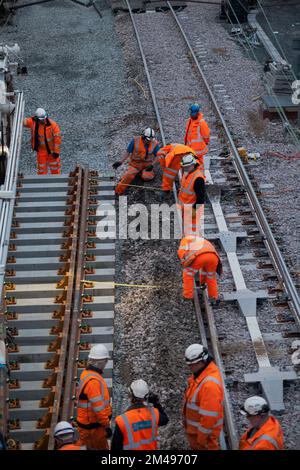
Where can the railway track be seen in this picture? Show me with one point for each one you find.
(258, 294)
(59, 298)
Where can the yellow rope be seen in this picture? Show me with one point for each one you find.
(90, 284)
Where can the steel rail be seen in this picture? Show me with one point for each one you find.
(227, 408)
(64, 353)
(259, 215)
(147, 74)
(74, 337)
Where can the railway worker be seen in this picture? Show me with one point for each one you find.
(141, 151)
(191, 196)
(94, 409)
(137, 428)
(203, 400)
(197, 133)
(64, 436)
(170, 157)
(45, 140)
(199, 256)
(265, 432)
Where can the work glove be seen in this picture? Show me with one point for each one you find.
(149, 168)
(55, 155)
(153, 398)
(108, 432)
(116, 165)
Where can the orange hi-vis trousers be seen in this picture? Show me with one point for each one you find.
(93, 439)
(131, 173)
(45, 161)
(205, 265)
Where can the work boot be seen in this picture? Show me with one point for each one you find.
(214, 302)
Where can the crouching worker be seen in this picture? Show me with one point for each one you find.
(137, 428)
(141, 151)
(199, 256)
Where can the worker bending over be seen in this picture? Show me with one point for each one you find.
(199, 256)
(170, 157)
(45, 140)
(94, 409)
(137, 428)
(203, 400)
(141, 151)
(64, 436)
(191, 196)
(197, 133)
(265, 432)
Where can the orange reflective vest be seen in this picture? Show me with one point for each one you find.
(142, 154)
(203, 405)
(139, 427)
(191, 247)
(187, 194)
(93, 408)
(170, 158)
(197, 135)
(268, 437)
(49, 136)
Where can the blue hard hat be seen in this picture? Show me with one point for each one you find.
(194, 109)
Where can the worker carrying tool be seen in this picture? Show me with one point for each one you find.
(203, 400)
(197, 133)
(191, 196)
(64, 436)
(94, 409)
(265, 432)
(199, 256)
(45, 140)
(170, 157)
(141, 151)
(137, 428)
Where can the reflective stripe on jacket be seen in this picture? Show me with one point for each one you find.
(187, 194)
(140, 153)
(93, 400)
(197, 135)
(203, 404)
(52, 132)
(191, 247)
(268, 437)
(139, 427)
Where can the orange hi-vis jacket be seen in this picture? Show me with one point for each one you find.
(70, 447)
(49, 136)
(141, 156)
(187, 194)
(93, 409)
(203, 408)
(268, 437)
(191, 247)
(197, 135)
(139, 427)
(170, 158)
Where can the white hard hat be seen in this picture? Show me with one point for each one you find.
(139, 388)
(62, 428)
(188, 159)
(255, 406)
(98, 351)
(148, 133)
(196, 353)
(40, 113)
